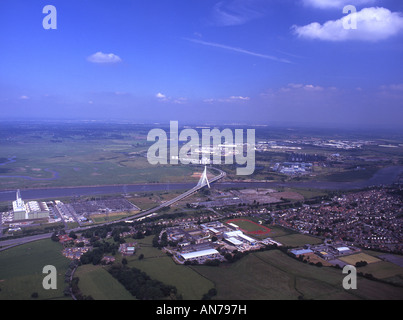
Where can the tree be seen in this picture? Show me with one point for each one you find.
(54, 237)
(73, 235)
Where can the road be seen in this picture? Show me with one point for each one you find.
(5, 244)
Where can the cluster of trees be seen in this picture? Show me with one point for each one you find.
(100, 248)
(140, 285)
(75, 290)
(361, 264)
(160, 242)
(211, 293)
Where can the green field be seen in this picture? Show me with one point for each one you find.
(21, 270)
(99, 283)
(261, 275)
(273, 275)
(161, 267)
(290, 238)
(155, 263)
(297, 240)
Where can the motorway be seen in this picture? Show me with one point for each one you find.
(5, 244)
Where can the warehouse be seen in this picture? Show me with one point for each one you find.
(298, 252)
(234, 241)
(196, 255)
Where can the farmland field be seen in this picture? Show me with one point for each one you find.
(273, 275)
(99, 283)
(354, 258)
(160, 267)
(257, 276)
(297, 239)
(21, 270)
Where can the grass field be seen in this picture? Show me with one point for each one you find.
(354, 258)
(273, 275)
(159, 266)
(155, 263)
(99, 283)
(21, 270)
(260, 276)
(297, 240)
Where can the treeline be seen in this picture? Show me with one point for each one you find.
(99, 250)
(140, 285)
(75, 290)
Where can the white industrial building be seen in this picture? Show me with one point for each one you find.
(238, 237)
(19, 209)
(29, 210)
(208, 254)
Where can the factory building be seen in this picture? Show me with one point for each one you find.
(29, 210)
(19, 209)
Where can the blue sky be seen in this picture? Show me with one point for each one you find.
(242, 61)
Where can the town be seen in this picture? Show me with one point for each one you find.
(370, 219)
(345, 224)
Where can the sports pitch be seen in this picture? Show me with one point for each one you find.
(250, 227)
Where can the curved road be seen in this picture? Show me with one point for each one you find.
(14, 242)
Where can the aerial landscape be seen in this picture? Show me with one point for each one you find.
(213, 151)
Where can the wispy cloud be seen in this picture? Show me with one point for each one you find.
(239, 50)
(236, 12)
(299, 90)
(230, 99)
(101, 57)
(373, 24)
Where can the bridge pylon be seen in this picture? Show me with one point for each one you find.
(203, 179)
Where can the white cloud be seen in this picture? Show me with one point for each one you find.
(373, 24)
(162, 97)
(335, 4)
(229, 99)
(304, 87)
(23, 97)
(101, 57)
(159, 95)
(239, 98)
(299, 89)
